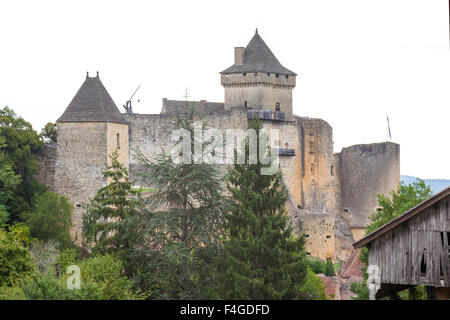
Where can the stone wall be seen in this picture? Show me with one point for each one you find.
(320, 181)
(81, 158)
(151, 133)
(365, 171)
(261, 91)
(290, 165)
(319, 231)
(118, 140)
(47, 165)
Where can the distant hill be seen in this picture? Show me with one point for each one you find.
(435, 184)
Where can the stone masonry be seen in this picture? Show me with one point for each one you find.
(331, 194)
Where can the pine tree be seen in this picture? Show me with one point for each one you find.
(181, 224)
(262, 258)
(103, 224)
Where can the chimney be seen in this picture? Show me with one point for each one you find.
(239, 53)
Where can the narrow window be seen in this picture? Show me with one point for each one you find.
(245, 103)
(118, 141)
(268, 74)
(66, 143)
(256, 73)
(244, 74)
(311, 147)
(312, 168)
(332, 170)
(276, 75)
(277, 106)
(287, 77)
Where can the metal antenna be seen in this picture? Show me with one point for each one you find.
(127, 105)
(186, 93)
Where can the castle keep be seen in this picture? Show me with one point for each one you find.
(332, 194)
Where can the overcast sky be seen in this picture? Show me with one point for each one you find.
(356, 61)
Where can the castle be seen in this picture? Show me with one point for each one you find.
(332, 194)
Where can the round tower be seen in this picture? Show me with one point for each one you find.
(257, 80)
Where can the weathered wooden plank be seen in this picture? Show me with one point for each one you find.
(414, 278)
(408, 266)
(445, 259)
(436, 250)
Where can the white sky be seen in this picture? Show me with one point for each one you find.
(356, 60)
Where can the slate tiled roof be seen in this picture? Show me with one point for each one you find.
(258, 58)
(200, 107)
(92, 103)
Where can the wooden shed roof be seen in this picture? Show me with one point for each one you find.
(402, 218)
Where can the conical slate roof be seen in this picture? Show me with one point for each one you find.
(92, 103)
(258, 58)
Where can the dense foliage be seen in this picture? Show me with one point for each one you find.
(15, 260)
(262, 258)
(318, 266)
(179, 230)
(49, 133)
(20, 146)
(8, 182)
(50, 218)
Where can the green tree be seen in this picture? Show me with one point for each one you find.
(329, 268)
(50, 219)
(103, 224)
(21, 145)
(48, 133)
(21, 232)
(15, 260)
(8, 182)
(262, 258)
(179, 229)
(398, 202)
(314, 286)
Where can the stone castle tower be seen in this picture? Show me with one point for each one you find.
(257, 80)
(89, 130)
(332, 194)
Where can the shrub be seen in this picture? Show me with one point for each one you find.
(314, 286)
(50, 219)
(15, 260)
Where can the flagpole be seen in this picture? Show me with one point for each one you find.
(389, 128)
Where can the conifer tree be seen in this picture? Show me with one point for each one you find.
(181, 223)
(103, 224)
(262, 258)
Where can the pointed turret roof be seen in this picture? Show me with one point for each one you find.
(258, 58)
(92, 103)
